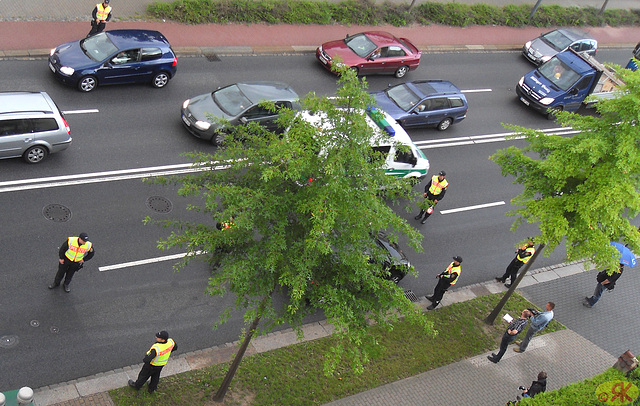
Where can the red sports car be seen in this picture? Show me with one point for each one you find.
(371, 52)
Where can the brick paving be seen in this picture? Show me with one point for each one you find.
(99, 399)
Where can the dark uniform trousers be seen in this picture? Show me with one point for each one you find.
(442, 286)
(430, 197)
(512, 270)
(66, 270)
(149, 371)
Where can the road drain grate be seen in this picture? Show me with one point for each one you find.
(411, 296)
(212, 57)
(57, 213)
(159, 204)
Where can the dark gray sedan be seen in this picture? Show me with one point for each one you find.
(208, 115)
(543, 48)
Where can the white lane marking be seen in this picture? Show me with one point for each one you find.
(476, 90)
(477, 206)
(109, 176)
(80, 111)
(483, 139)
(146, 261)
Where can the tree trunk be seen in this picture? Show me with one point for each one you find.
(534, 9)
(494, 314)
(226, 382)
(604, 7)
(413, 2)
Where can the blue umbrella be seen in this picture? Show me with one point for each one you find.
(626, 256)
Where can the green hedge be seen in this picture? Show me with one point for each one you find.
(366, 12)
(582, 393)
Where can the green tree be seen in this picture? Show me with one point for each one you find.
(302, 211)
(581, 189)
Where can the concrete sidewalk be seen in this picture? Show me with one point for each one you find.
(570, 356)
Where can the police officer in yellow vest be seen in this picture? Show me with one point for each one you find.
(156, 358)
(101, 14)
(446, 279)
(73, 254)
(433, 193)
(522, 257)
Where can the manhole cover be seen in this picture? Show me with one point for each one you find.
(212, 57)
(54, 329)
(411, 296)
(8, 341)
(159, 204)
(34, 323)
(57, 213)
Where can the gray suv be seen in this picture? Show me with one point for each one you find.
(31, 126)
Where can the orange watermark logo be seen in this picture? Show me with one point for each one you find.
(617, 392)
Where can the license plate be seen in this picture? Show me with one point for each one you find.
(526, 102)
(52, 68)
(186, 121)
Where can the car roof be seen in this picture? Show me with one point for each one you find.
(130, 38)
(432, 87)
(574, 34)
(381, 38)
(576, 63)
(257, 91)
(18, 102)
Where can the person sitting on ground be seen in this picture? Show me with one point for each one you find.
(537, 386)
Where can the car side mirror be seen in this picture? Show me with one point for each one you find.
(573, 91)
(244, 120)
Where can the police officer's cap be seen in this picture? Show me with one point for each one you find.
(163, 334)
(83, 237)
(458, 259)
(105, 1)
(442, 173)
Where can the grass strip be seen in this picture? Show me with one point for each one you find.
(293, 375)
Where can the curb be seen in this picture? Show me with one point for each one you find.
(92, 390)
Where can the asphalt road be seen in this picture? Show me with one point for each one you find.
(109, 318)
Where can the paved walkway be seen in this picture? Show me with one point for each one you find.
(566, 355)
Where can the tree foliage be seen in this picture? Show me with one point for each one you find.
(303, 209)
(582, 188)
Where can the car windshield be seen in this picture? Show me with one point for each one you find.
(360, 44)
(403, 97)
(557, 40)
(98, 47)
(231, 100)
(559, 73)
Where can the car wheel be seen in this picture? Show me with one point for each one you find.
(444, 124)
(218, 138)
(160, 80)
(87, 83)
(396, 276)
(35, 154)
(401, 71)
(551, 113)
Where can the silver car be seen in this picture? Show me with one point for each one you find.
(543, 48)
(31, 126)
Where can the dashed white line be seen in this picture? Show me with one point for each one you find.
(80, 111)
(477, 206)
(145, 261)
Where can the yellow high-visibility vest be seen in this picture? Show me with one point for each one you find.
(76, 251)
(163, 350)
(437, 186)
(530, 250)
(103, 12)
(452, 268)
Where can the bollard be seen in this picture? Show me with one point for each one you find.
(25, 396)
(2, 399)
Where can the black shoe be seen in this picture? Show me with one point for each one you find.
(66, 288)
(430, 298)
(53, 285)
(424, 220)
(418, 217)
(586, 302)
(507, 285)
(132, 384)
(490, 358)
(499, 279)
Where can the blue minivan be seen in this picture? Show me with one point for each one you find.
(432, 103)
(115, 57)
